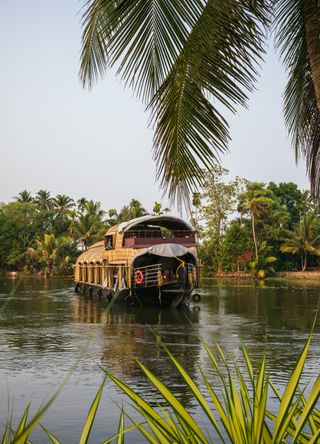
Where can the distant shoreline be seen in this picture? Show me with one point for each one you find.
(286, 275)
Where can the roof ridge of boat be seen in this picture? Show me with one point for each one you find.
(152, 217)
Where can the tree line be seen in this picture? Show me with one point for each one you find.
(241, 226)
(45, 234)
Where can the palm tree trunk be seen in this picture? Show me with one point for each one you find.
(304, 261)
(254, 235)
(312, 26)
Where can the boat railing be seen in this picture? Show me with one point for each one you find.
(158, 233)
(156, 276)
(148, 276)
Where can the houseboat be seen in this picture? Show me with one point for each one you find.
(151, 260)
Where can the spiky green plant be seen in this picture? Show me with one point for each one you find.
(238, 415)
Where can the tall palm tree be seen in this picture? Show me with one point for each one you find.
(24, 196)
(43, 200)
(304, 239)
(63, 204)
(136, 209)
(253, 201)
(81, 204)
(86, 228)
(94, 208)
(187, 61)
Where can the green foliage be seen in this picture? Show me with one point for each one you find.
(264, 265)
(297, 35)
(235, 243)
(131, 211)
(215, 205)
(304, 240)
(240, 415)
(158, 210)
(46, 234)
(256, 201)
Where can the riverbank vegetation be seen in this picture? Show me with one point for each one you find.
(44, 234)
(242, 226)
(255, 227)
(237, 411)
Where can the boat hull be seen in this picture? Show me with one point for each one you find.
(170, 296)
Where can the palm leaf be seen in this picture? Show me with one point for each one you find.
(179, 57)
(91, 415)
(301, 111)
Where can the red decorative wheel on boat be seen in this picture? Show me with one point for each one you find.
(138, 277)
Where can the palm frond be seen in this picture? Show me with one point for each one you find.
(187, 60)
(301, 112)
(216, 65)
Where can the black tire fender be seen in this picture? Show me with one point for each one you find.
(196, 297)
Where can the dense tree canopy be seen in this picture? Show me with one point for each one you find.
(46, 234)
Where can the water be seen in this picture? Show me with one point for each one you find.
(46, 330)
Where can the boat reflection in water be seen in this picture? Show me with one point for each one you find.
(131, 333)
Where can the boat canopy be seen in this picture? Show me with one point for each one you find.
(167, 250)
(169, 222)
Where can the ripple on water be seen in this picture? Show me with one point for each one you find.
(46, 328)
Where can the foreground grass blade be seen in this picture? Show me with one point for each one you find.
(52, 438)
(289, 394)
(23, 422)
(175, 404)
(145, 408)
(197, 393)
(91, 415)
(22, 437)
(314, 396)
(120, 438)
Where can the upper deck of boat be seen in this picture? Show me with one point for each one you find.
(152, 230)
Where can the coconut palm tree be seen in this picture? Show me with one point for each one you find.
(45, 252)
(24, 196)
(86, 229)
(81, 204)
(158, 210)
(94, 208)
(253, 201)
(63, 204)
(304, 239)
(187, 61)
(43, 200)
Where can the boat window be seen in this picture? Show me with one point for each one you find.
(92, 274)
(108, 242)
(85, 274)
(80, 272)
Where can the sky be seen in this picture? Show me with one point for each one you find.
(55, 135)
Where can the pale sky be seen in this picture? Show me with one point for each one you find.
(56, 136)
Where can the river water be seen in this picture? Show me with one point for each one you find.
(46, 330)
